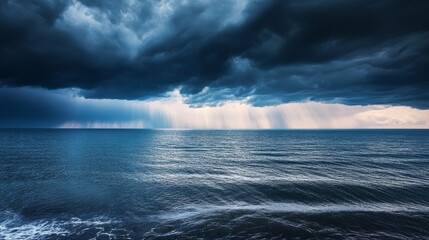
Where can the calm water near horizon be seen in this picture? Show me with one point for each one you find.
(150, 184)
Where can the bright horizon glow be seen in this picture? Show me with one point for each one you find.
(173, 113)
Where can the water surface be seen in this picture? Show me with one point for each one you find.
(134, 184)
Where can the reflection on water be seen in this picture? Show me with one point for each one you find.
(126, 184)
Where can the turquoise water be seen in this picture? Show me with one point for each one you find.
(135, 184)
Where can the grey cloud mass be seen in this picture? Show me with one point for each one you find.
(263, 52)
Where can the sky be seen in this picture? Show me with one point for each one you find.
(227, 64)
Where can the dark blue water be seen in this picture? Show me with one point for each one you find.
(135, 184)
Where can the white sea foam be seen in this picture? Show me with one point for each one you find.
(13, 227)
(97, 221)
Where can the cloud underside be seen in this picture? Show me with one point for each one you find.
(261, 52)
(25, 107)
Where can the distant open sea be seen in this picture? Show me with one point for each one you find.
(150, 184)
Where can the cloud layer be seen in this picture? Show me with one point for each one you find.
(25, 107)
(262, 52)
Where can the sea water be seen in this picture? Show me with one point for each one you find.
(149, 184)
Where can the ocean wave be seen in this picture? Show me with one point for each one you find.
(14, 227)
(191, 211)
(281, 220)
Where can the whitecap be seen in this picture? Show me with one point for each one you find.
(13, 228)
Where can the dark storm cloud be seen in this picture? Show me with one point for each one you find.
(35, 107)
(264, 52)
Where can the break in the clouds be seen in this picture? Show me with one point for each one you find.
(26, 107)
(264, 53)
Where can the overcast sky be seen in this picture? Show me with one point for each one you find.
(214, 64)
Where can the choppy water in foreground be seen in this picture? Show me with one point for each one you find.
(134, 184)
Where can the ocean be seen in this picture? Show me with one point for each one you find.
(214, 184)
